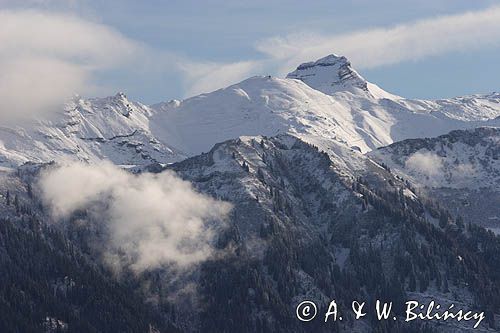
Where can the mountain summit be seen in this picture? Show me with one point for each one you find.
(334, 73)
(329, 74)
(325, 100)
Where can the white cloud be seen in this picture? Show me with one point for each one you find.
(207, 77)
(384, 46)
(47, 57)
(425, 163)
(152, 219)
(33, 84)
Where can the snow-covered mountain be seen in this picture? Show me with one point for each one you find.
(326, 99)
(325, 102)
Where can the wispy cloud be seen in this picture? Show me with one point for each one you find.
(384, 46)
(206, 77)
(367, 48)
(152, 220)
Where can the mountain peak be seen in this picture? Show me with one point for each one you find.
(330, 59)
(330, 74)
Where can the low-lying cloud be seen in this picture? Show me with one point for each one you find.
(425, 163)
(152, 219)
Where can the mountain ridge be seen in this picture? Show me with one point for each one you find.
(300, 229)
(325, 100)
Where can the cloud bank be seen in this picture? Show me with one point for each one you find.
(152, 220)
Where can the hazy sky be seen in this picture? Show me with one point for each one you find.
(158, 50)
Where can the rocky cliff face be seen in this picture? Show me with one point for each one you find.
(330, 74)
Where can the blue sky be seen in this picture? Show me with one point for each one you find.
(185, 47)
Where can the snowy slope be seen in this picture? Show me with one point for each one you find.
(256, 106)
